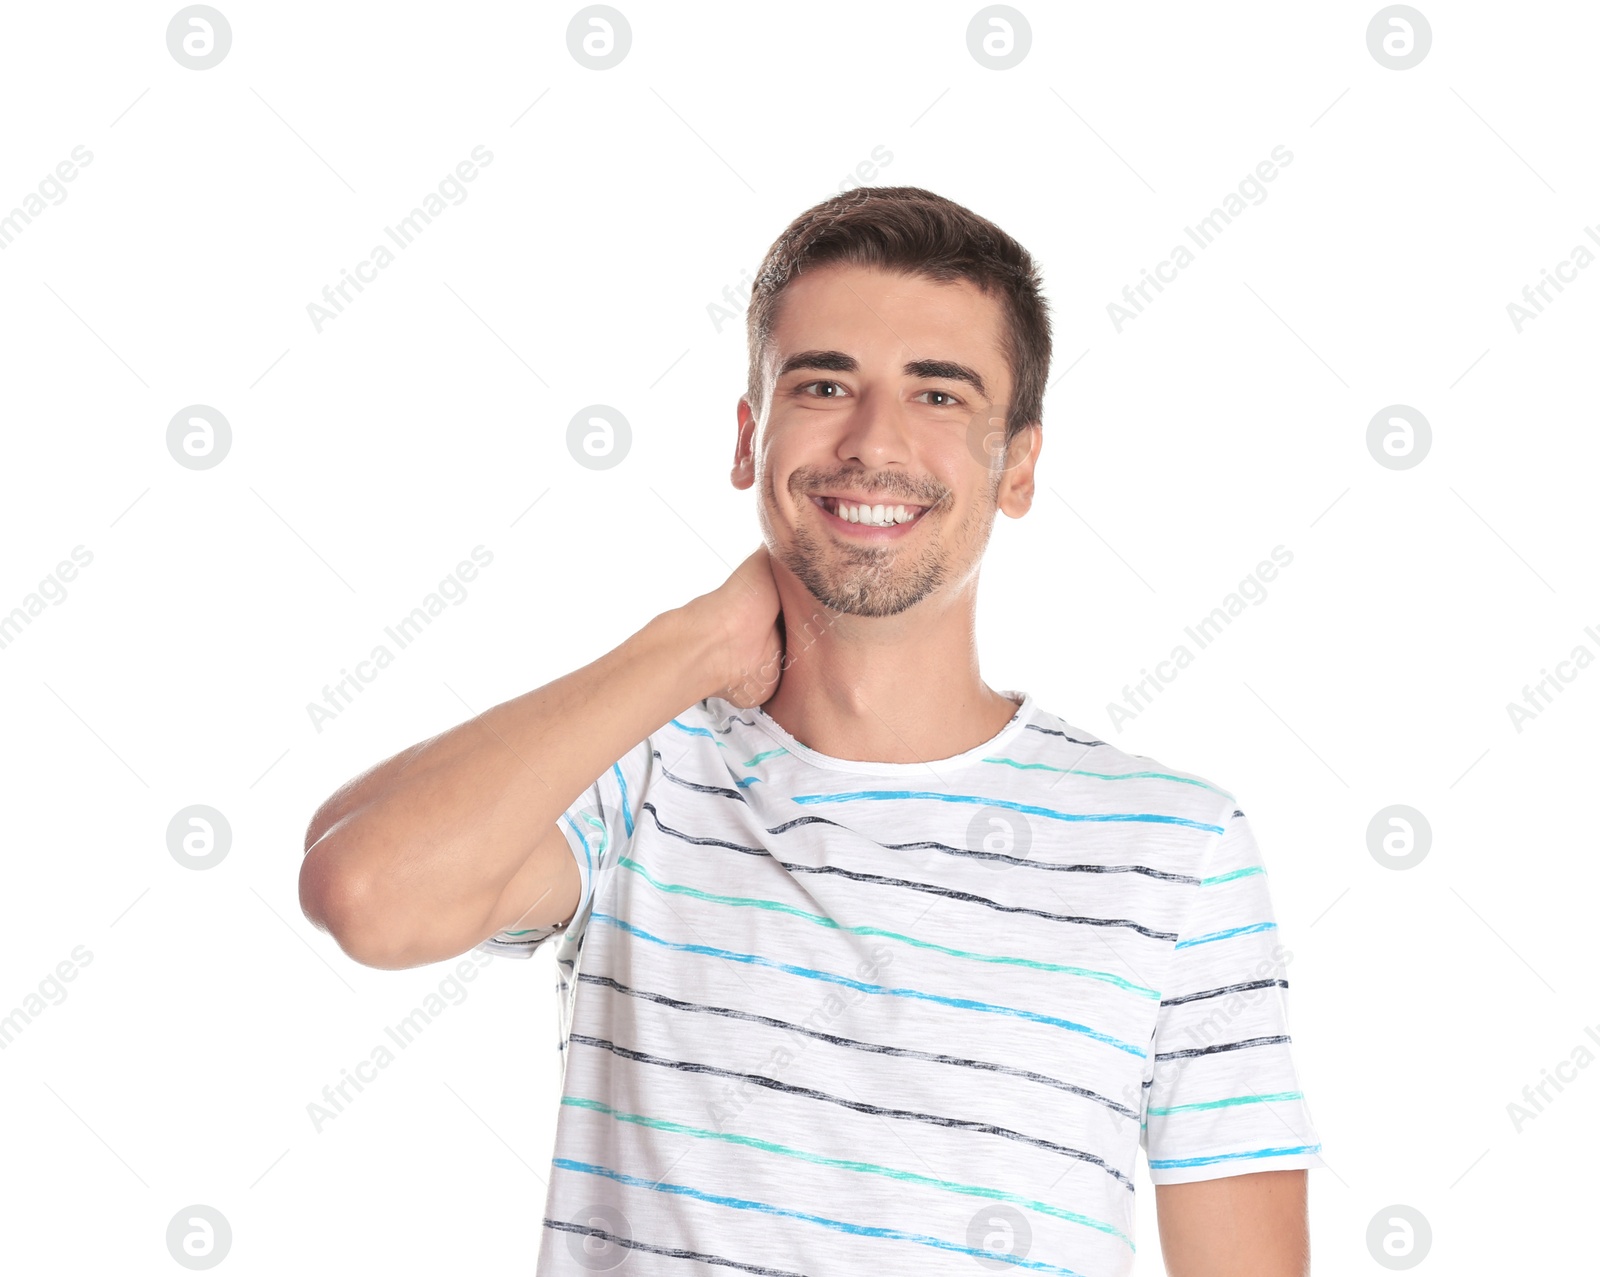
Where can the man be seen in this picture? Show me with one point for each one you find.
(866, 966)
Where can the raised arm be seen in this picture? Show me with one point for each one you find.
(456, 837)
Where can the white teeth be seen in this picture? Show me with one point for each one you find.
(879, 516)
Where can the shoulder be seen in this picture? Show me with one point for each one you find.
(710, 724)
(699, 744)
(1091, 769)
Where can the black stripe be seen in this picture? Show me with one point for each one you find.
(1187, 879)
(947, 893)
(695, 785)
(672, 1252)
(1050, 731)
(857, 1045)
(859, 1106)
(1227, 988)
(743, 722)
(931, 845)
(1223, 1046)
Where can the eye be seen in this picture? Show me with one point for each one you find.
(805, 386)
(950, 400)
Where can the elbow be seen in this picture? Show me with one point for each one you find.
(334, 901)
(319, 888)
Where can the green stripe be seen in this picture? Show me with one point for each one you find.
(777, 907)
(1229, 1103)
(761, 758)
(1077, 771)
(1237, 873)
(867, 1168)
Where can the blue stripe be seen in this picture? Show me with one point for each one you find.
(627, 816)
(1078, 771)
(895, 795)
(858, 1230)
(964, 1003)
(1173, 1163)
(1229, 877)
(1223, 935)
(587, 858)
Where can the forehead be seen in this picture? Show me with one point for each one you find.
(885, 317)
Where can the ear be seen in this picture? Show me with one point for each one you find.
(1015, 496)
(743, 474)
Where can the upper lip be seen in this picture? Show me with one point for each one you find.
(853, 499)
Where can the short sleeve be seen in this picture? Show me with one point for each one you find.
(1221, 1096)
(599, 827)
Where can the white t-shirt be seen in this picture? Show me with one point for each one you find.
(823, 1016)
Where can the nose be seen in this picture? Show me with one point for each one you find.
(875, 433)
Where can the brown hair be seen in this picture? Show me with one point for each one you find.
(913, 231)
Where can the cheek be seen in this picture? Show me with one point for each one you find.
(970, 520)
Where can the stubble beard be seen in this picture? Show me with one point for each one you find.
(878, 580)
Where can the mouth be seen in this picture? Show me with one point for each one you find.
(877, 520)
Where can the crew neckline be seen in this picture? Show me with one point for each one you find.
(766, 723)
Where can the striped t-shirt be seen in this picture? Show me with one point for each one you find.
(823, 1016)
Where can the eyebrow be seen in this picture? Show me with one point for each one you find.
(838, 361)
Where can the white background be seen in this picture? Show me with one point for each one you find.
(369, 458)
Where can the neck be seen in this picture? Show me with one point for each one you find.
(898, 689)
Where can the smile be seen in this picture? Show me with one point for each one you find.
(880, 517)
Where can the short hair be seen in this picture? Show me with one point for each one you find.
(915, 232)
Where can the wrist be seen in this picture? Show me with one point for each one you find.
(689, 652)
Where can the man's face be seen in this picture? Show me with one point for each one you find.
(881, 391)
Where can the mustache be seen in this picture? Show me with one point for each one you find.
(889, 491)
